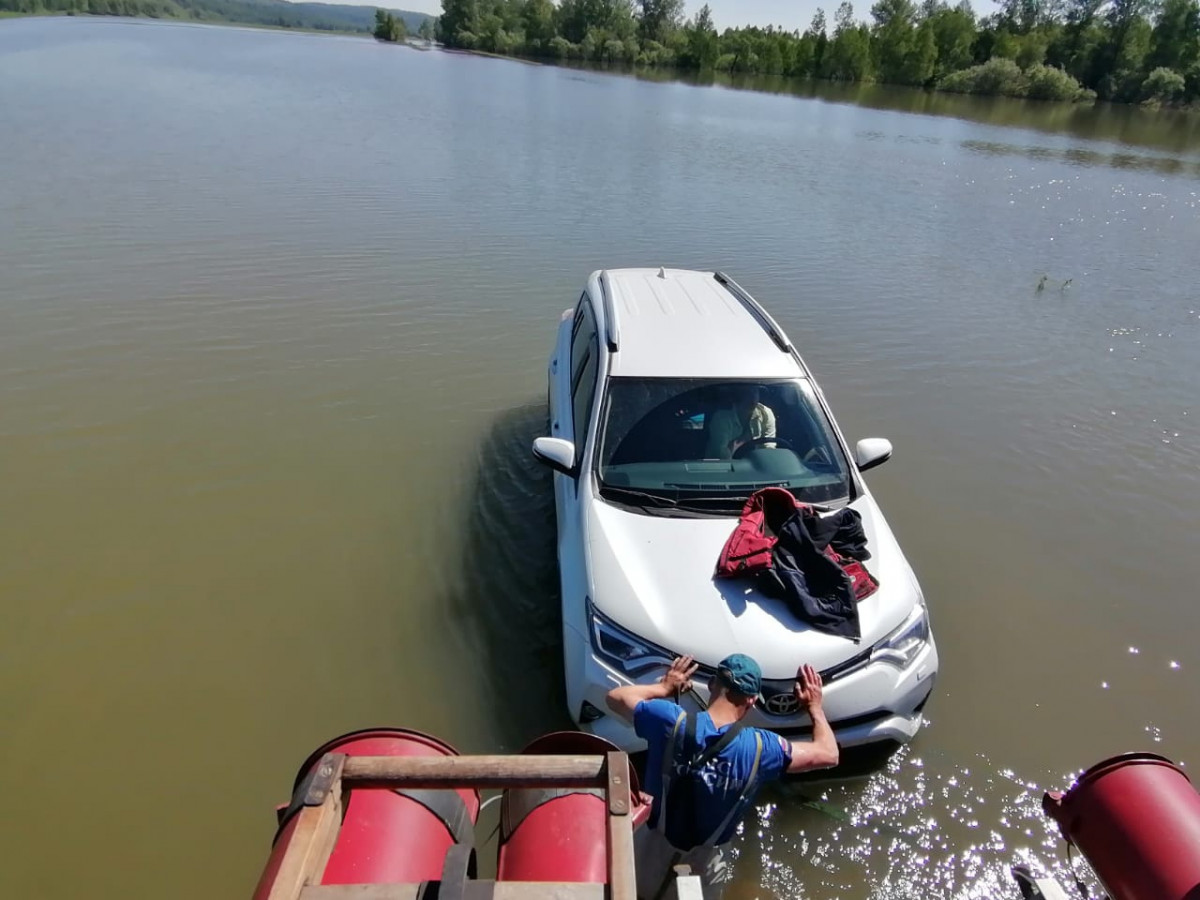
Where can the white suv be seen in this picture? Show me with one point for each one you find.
(648, 485)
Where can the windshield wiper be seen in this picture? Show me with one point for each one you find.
(637, 498)
(659, 505)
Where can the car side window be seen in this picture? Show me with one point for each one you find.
(583, 389)
(585, 353)
(583, 334)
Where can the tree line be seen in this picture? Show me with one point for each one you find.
(1121, 50)
(272, 13)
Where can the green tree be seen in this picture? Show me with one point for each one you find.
(893, 35)
(1080, 43)
(660, 19)
(538, 20)
(848, 56)
(819, 40)
(843, 18)
(388, 27)
(921, 63)
(1123, 57)
(608, 18)
(703, 47)
(1175, 41)
(458, 23)
(426, 31)
(954, 34)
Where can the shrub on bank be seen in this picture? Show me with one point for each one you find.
(1050, 83)
(561, 48)
(1002, 77)
(998, 75)
(1163, 85)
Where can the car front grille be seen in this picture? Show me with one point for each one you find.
(778, 701)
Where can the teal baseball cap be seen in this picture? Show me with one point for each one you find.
(741, 673)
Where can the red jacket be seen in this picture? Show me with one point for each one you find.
(821, 585)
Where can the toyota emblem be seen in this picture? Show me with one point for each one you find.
(782, 704)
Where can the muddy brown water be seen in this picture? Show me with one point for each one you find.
(274, 316)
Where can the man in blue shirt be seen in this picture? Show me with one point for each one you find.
(704, 768)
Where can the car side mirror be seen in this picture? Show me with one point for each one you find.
(555, 453)
(872, 452)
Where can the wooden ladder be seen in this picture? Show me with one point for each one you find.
(320, 818)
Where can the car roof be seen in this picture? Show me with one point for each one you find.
(685, 324)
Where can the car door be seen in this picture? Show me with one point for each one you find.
(570, 494)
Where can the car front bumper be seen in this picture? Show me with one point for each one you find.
(874, 704)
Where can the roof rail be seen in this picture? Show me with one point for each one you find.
(764, 318)
(612, 334)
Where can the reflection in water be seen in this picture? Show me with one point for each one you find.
(507, 589)
(1081, 156)
(922, 828)
(1172, 130)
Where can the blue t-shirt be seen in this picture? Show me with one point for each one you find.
(724, 777)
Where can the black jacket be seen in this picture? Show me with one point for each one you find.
(816, 588)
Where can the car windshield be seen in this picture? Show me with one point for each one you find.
(706, 445)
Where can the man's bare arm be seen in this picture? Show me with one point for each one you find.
(822, 751)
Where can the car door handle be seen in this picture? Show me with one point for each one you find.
(554, 366)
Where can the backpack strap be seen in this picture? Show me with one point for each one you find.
(701, 759)
(667, 765)
(747, 790)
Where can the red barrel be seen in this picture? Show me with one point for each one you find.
(387, 836)
(1136, 818)
(560, 834)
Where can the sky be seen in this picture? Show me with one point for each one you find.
(791, 14)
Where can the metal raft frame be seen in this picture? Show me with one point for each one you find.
(319, 822)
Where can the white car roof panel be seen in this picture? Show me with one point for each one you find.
(684, 324)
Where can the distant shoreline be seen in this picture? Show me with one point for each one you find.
(182, 20)
(667, 73)
(308, 17)
(232, 23)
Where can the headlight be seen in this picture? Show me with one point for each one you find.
(623, 650)
(901, 647)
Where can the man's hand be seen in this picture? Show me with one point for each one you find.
(808, 688)
(623, 699)
(678, 678)
(822, 751)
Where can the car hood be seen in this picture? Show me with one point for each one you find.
(653, 575)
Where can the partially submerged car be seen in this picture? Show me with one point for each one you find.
(673, 397)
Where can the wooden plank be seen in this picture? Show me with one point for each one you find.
(474, 771)
(618, 784)
(497, 890)
(622, 880)
(312, 840)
